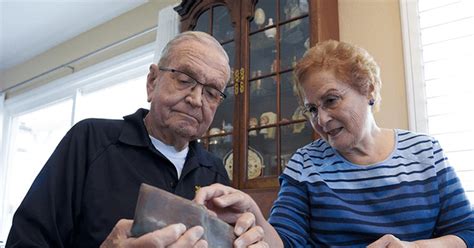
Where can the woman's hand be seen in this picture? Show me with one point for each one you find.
(249, 235)
(390, 241)
(172, 236)
(226, 202)
(236, 207)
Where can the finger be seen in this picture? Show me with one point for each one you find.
(209, 192)
(123, 227)
(384, 241)
(162, 237)
(201, 244)
(254, 235)
(260, 244)
(237, 200)
(119, 233)
(211, 213)
(189, 238)
(244, 223)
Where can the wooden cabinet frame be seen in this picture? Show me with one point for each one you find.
(323, 25)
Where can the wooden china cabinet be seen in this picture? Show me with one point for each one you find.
(260, 125)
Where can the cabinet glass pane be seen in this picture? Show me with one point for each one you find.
(290, 9)
(221, 146)
(203, 22)
(230, 50)
(294, 42)
(262, 53)
(261, 153)
(289, 107)
(225, 111)
(222, 27)
(294, 136)
(262, 100)
(264, 11)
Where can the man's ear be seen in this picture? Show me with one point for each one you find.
(150, 81)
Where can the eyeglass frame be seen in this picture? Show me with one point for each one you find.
(172, 70)
(312, 115)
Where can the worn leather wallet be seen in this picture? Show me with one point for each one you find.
(157, 208)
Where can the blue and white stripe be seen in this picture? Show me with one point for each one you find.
(414, 194)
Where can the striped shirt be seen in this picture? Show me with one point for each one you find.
(325, 200)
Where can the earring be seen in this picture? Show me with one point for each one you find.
(371, 102)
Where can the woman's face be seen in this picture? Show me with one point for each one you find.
(339, 113)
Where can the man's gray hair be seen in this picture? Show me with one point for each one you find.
(199, 36)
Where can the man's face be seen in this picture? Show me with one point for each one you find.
(178, 113)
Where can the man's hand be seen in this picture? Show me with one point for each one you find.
(172, 236)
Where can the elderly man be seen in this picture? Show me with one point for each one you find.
(87, 191)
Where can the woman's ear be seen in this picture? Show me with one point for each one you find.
(370, 94)
(150, 81)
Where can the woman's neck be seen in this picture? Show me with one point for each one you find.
(377, 145)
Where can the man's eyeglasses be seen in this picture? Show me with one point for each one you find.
(185, 81)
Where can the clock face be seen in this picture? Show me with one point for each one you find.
(254, 163)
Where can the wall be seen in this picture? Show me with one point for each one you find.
(372, 24)
(375, 26)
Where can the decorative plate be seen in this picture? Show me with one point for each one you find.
(259, 16)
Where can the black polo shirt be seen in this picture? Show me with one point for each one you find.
(92, 180)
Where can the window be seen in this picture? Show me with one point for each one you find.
(438, 41)
(113, 101)
(34, 135)
(37, 120)
(33, 123)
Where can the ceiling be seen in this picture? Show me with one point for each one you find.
(30, 27)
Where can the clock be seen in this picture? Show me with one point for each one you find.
(254, 163)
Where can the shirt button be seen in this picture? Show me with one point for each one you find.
(173, 184)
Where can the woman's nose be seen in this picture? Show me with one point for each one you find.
(323, 117)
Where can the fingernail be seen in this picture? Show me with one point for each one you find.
(238, 242)
(238, 230)
(181, 227)
(199, 232)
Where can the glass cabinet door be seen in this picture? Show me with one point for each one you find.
(278, 35)
(260, 125)
(219, 139)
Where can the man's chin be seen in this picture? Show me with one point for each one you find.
(187, 132)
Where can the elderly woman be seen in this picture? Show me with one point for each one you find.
(359, 184)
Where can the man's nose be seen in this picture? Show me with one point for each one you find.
(195, 96)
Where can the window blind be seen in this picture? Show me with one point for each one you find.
(447, 50)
